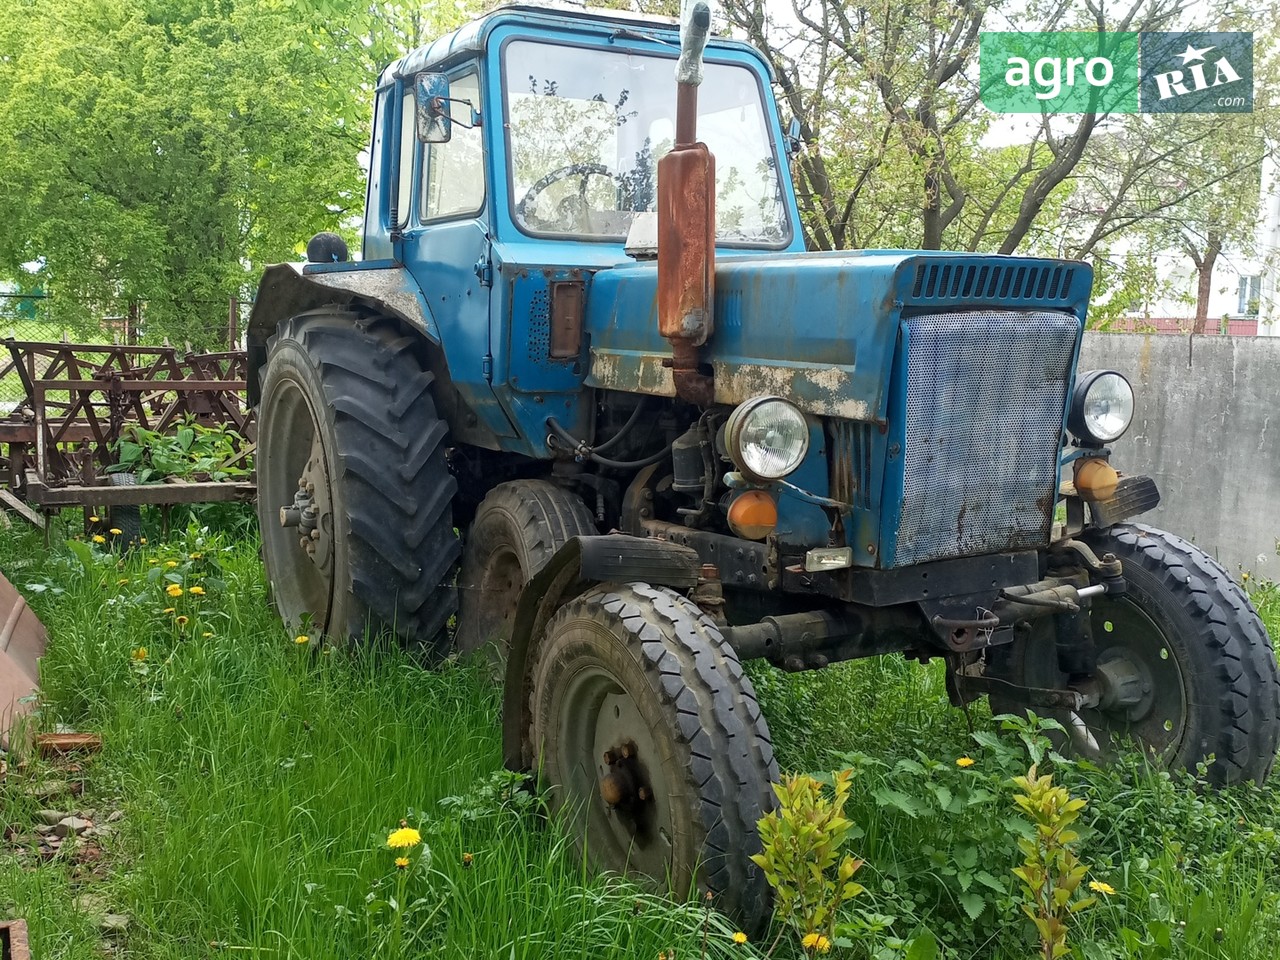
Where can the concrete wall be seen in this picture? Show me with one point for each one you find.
(1207, 428)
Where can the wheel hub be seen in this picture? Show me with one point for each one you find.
(309, 513)
(624, 786)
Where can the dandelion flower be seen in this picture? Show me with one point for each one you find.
(739, 938)
(122, 581)
(182, 621)
(173, 590)
(94, 520)
(171, 564)
(168, 610)
(206, 634)
(467, 859)
(196, 591)
(403, 838)
(140, 654)
(402, 862)
(115, 531)
(153, 561)
(301, 638)
(809, 941)
(99, 538)
(197, 556)
(1097, 886)
(965, 762)
(143, 541)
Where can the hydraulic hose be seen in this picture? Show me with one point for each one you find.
(624, 430)
(581, 448)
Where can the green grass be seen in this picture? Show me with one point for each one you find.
(259, 779)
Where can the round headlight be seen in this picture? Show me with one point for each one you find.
(1101, 407)
(767, 437)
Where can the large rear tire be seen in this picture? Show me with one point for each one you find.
(354, 494)
(517, 529)
(1186, 636)
(653, 746)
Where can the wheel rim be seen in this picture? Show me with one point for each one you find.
(607, 750)
(1143, 690)
(296, 506)
(500, 584)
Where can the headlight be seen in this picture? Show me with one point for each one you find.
(767, 437)
(1101, 407)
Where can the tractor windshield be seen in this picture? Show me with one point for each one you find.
(586, 128)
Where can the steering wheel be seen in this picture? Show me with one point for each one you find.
(583, 170)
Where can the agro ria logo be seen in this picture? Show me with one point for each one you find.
(1197, 72)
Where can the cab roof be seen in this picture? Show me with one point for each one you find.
(470, 39)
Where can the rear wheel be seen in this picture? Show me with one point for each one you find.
(652, 744)
(518, 528)
(1190, 665)
(354, 494)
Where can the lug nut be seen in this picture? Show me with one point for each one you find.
(609, 758)
(642, 793)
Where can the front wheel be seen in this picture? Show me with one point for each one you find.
(652, 744)
(1193, 656)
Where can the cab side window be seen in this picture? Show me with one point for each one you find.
(408, 144)
(453, 172)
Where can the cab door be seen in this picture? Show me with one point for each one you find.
(443, 239)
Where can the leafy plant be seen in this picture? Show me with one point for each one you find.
(192, 452)
(1051, 872)
(802, 859)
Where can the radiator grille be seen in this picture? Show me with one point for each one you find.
(986, 392)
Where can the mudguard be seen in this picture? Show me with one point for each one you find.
(617, 558)
(287, 289)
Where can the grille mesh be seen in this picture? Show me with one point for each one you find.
(986, 392)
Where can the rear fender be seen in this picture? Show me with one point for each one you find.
(617, 558)
(288, 289)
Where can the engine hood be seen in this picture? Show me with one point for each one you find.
(820, 329)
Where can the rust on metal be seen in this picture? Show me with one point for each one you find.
(61, 744)
(687, 229)
(79, 398)
(22, 643)
(14, 942)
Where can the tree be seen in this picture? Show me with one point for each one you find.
(164, 151)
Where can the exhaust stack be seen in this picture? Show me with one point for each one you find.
(687, 223)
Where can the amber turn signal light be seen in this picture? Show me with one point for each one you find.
(1095, 479)
(753, 515)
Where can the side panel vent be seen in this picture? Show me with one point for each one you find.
(850, 444)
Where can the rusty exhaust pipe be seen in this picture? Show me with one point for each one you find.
(687, 224)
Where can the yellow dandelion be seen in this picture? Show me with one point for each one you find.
(809, 941)
(173, 590)
(402, 862)
(168, 610)
(739, 938)
(403, 838)
(115, 531)
(99, 538)
(140, 654)
(153, 561)
(143, 541)
(182, 621)
(1097, 886)
(206, 634)
(301, 638)
(94, 520)
(196, 591)
(965, 762)
(467, 859)
(171, 564)
(122, 581)
(197, 556)
(1244, 576)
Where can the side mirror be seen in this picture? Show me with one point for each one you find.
(793, 141)
(431, 108)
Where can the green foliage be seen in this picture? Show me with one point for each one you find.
(802, 860)
(1051, 872)
(191, 452)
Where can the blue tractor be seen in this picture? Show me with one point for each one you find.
(587, 404)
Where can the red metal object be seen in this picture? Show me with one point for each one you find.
(22, 644)
(79, 398)
(14, 944)
(687, 228)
